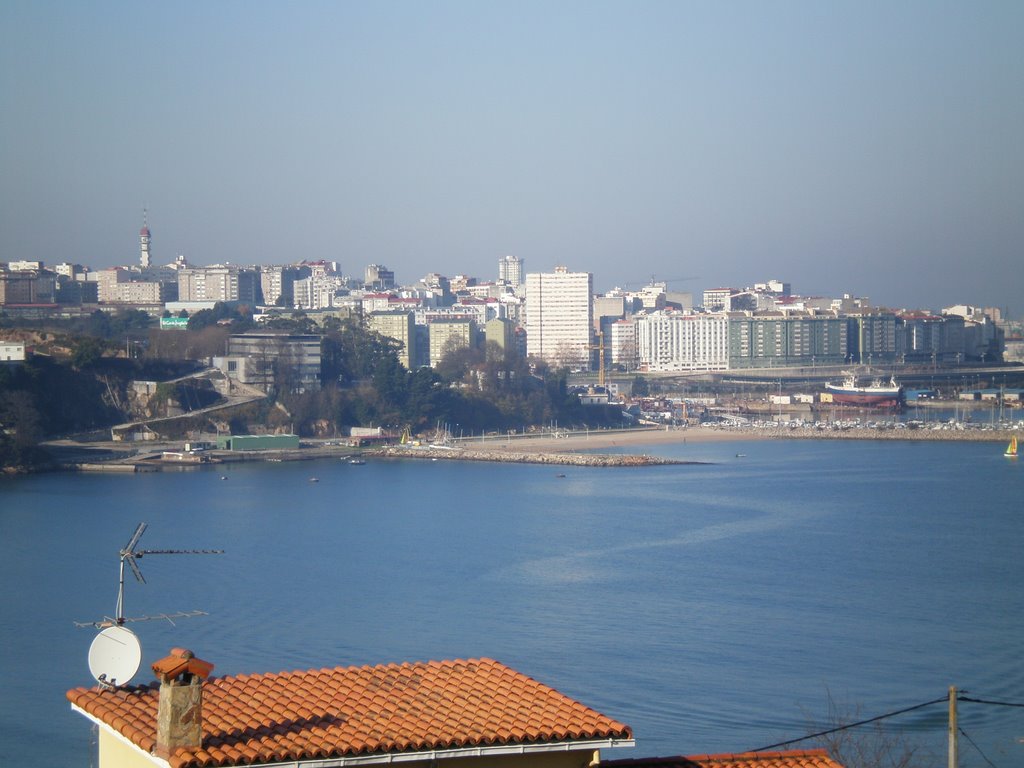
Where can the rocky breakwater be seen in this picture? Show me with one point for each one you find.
(561, 459)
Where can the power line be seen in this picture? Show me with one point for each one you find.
(894, 714)
(983, 755)
(985, 701)
(852, 725)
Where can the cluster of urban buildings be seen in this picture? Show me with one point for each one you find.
(555, 316)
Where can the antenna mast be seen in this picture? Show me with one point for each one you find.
(129, 555)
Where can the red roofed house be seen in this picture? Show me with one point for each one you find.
(478, 713)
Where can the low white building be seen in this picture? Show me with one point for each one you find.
(13, 352)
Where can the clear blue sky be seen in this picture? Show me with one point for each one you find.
(875, 148)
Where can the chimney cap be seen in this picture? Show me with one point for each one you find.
(181, 661)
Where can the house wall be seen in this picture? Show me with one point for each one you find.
(542, 760)
(115, 753)
(578, 759)
(12, 351)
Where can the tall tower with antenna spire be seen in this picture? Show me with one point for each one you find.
(144, 240)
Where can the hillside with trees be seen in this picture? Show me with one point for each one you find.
(80, 377)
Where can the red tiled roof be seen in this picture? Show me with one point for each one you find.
(348, 711)
(802, 758)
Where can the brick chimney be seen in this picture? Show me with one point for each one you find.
(179, 720)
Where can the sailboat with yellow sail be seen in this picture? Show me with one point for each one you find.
(1011, 449)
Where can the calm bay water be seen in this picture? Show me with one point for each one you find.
(713, 608)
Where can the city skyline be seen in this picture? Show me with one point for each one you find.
(859, 148)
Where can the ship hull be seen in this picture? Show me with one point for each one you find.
(866, 397)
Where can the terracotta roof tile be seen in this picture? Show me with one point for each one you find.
(809, 758)
(361, 710)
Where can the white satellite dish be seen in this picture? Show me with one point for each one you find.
(115, 656)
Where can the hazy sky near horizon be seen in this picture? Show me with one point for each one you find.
(873, 148)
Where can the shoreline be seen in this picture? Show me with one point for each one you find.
(567, 448)
(605, 439)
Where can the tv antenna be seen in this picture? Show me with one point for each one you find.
(129, 554)
(115, 653)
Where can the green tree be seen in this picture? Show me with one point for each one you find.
(20, 429)
(350, 352)
(239, 319)
(87, 352)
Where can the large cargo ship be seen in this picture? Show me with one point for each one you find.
(877, 394)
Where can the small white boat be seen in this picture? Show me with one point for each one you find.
(1011, 449)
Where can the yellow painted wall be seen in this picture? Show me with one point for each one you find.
(115, 753)
(538, 760)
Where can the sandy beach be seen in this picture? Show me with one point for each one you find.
(599, 440)
(603, 439)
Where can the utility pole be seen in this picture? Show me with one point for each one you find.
(953, 750)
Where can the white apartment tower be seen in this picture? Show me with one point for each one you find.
(621, 341)
(510, 270)
(673, 342)
(559, 316)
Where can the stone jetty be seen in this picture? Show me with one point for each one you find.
(560, 459)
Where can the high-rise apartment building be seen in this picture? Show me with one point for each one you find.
(278, 284)
(218, 283)
(559, 316)
(119, 285)
(501, 332)
(447, 335)
(620, 344)
(510, 270)
(677, 342)
(378, 277)
(776, 339)
(400, 326)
